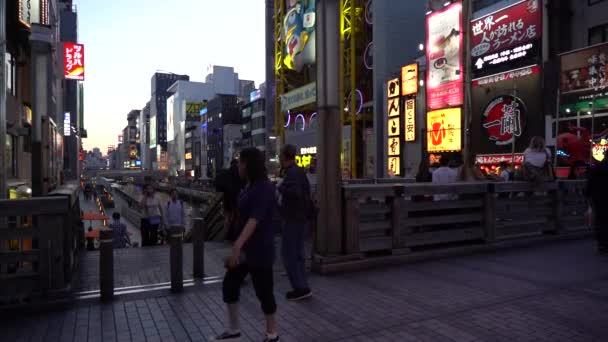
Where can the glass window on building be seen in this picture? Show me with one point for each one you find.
(598, 34)
(258, 123)
(259, 140)
(246, 112)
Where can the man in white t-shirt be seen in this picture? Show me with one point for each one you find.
(444, 175)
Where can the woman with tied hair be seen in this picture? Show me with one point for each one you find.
(254, 249)
(537, 158)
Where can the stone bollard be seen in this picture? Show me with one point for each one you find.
(198, 247)
(106, 265)
(177, 257)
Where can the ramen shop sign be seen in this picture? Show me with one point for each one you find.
(503, 119)
(506, 37)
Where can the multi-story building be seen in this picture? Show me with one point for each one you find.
(161, 82)
(222, 110)
(131, 139)
(183, 117)
(70, 99)
(144, 137)
(31, 112)
(256, 125)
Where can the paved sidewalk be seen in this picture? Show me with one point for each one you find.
(556, 292)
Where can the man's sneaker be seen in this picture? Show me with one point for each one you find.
(275, 339)
(228, 336)
(296, 295)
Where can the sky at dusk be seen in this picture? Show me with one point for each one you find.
(126, 41)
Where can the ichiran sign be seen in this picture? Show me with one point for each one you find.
(504, 118)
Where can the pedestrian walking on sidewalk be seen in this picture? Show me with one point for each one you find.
(120, 236)
(296, 209)
(152, 217)
(253, 250)
(597, 185)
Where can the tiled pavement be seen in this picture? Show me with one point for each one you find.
(556, 292)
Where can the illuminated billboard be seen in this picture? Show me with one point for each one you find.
(299, 34)
(170, 118)
(445, 86)
(73, 61)
(584, 71)
(33, 12)
(409, 79)
(506, 39)
(153, 132)
(444, 130)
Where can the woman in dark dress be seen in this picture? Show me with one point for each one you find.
(253, 250)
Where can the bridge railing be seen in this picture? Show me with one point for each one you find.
(39, 243)
(399, 218)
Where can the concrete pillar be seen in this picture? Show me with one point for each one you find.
(176, 257)
(198, 247)
(41, 39)
(106, 265)
(329, 233)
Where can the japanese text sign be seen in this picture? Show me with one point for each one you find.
(394, 166)
(392, 88)
(393, 107)
(409, 79)
(304, 160)
(73, 61)
(494, 159)
(410, 120)
(444, 130)
(507, 36)
(503, 119)
(394, 146)
(445, 86)
(393, 127)
(584, 70)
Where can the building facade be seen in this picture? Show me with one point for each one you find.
(160, 84)
(222, 110)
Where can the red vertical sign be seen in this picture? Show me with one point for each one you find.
(445, 77)
(73, 61)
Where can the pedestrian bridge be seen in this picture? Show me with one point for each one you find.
(42, 252)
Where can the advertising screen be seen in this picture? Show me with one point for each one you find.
(445, 87)
(444, 131)
(73, 61)
(506, 39)
(153, 132)
(170, 118)
(585, 70)
(299, 34)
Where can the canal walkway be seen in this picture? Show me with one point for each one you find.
(552, 292)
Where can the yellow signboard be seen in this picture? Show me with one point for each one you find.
(409, 79)
(410, 120)
(392, 88)
(394, 146)
(393, 107)
(394, 166)
(444, 130)
(393, 127)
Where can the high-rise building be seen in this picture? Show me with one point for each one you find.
(144, 137)
(161, 81)
(70, 97)
(222, 110)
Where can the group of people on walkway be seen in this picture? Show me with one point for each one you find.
(253, 218)
(155, 215)
(536, 168)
